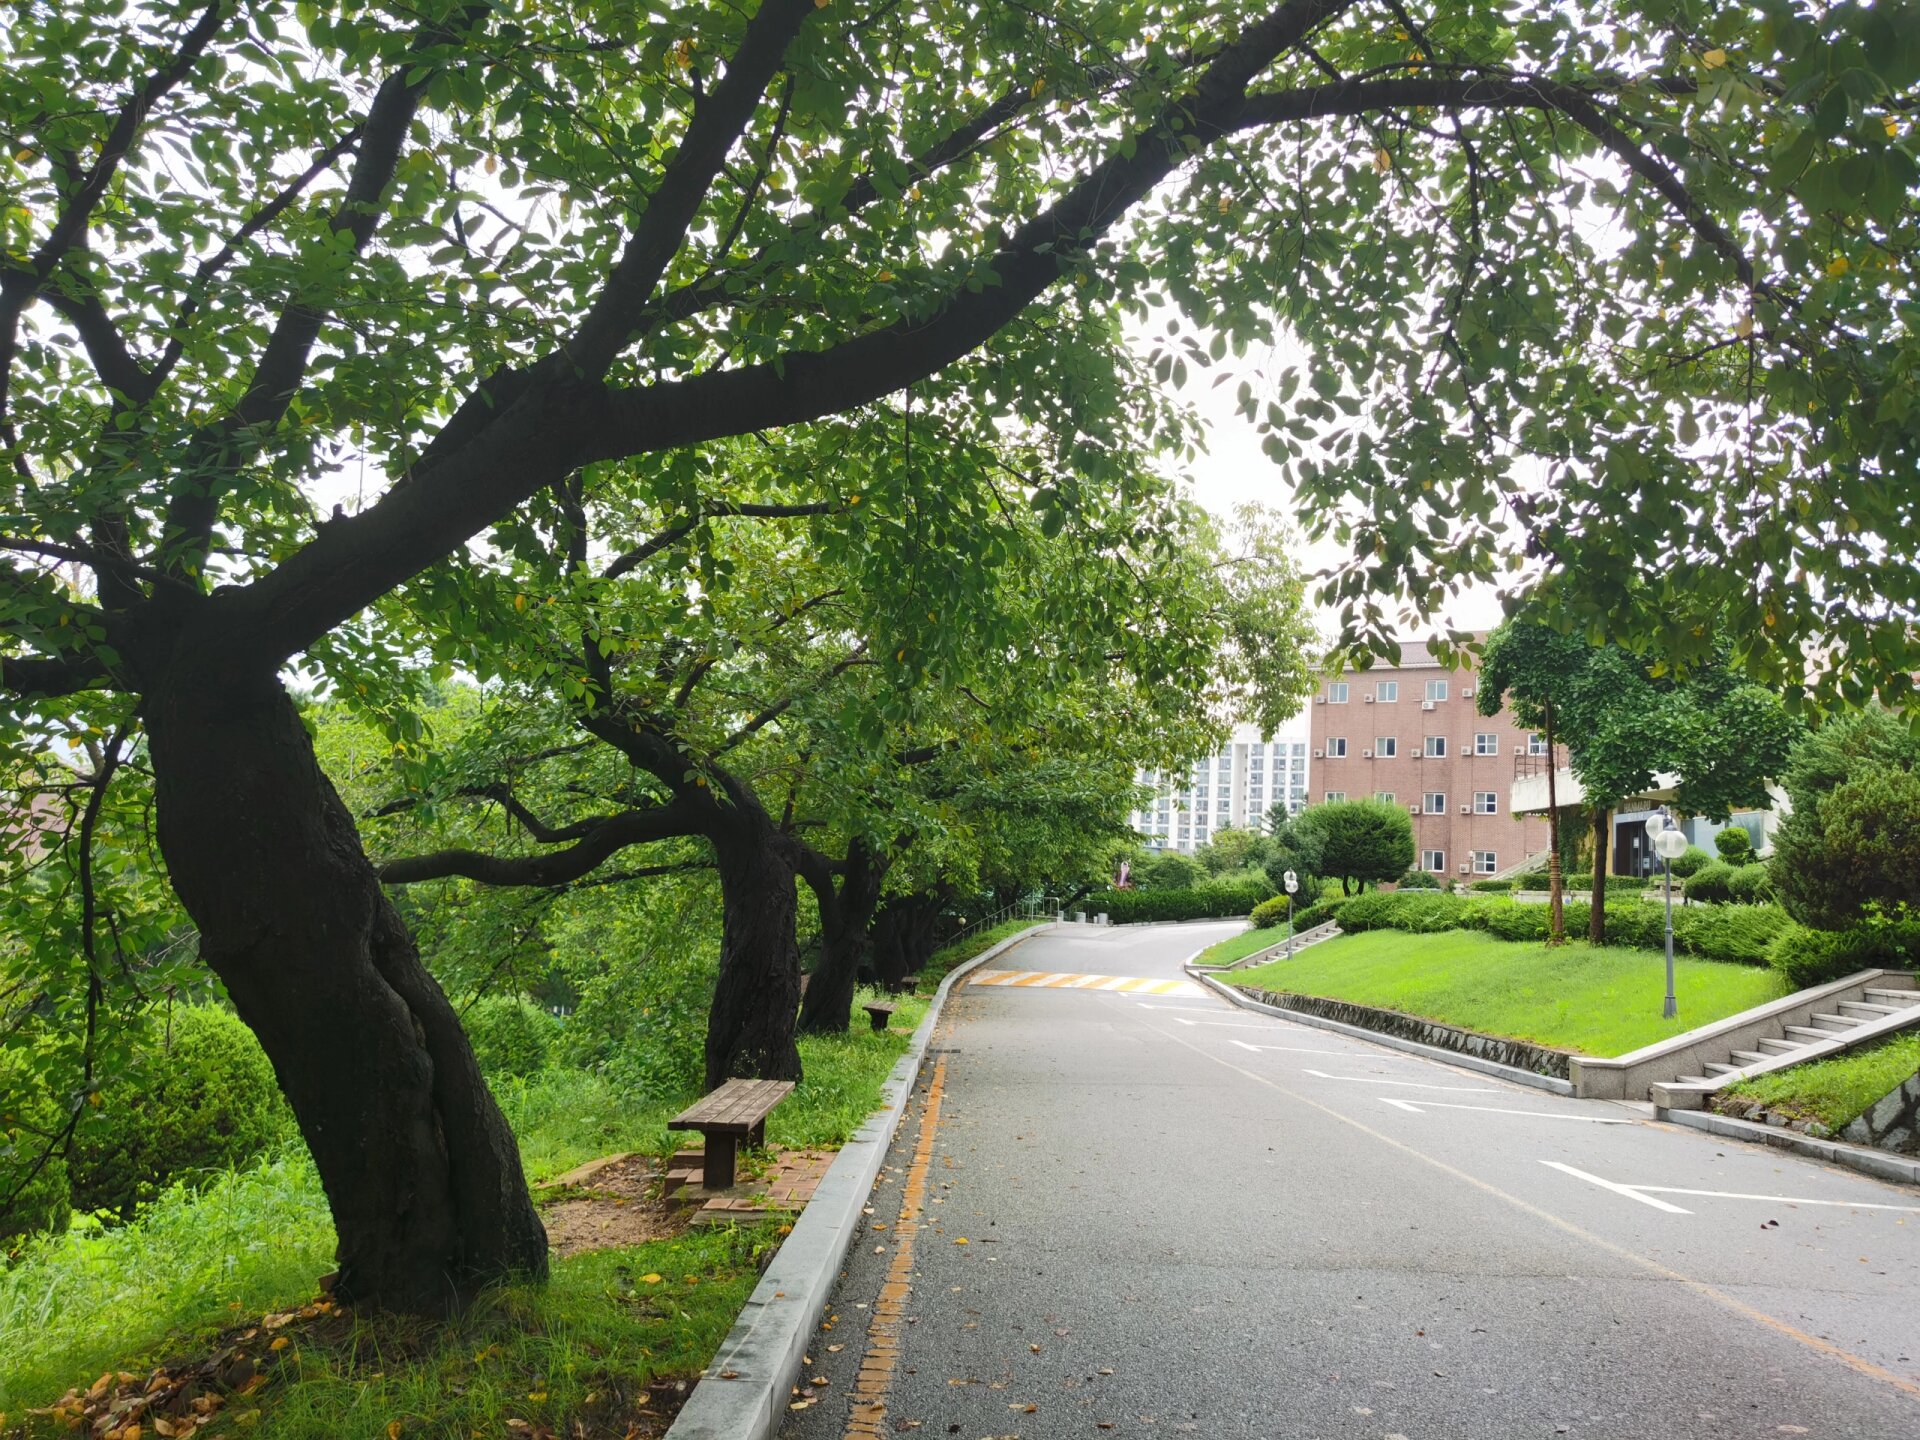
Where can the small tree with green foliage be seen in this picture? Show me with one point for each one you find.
(1358, 842)
(1734, 844)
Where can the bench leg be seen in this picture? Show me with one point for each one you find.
(879, 1021)
(757, 1137)
(717, 1172)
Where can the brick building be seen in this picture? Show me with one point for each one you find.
(1411, 733)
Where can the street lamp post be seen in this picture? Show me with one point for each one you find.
(1292, 882)
(1669, 843)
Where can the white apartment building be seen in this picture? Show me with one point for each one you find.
(1236, 786)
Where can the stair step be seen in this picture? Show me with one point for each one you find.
(1780, 1047)
(1869, 1011)
(1748, 1057)
(1899, 999)
(1692, 1080)
(1808, 1033)
(1845, 1022)
(1714, 1067)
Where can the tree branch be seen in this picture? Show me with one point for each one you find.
(608, 837)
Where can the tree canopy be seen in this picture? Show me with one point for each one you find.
(1357, 842)
(1848, 848)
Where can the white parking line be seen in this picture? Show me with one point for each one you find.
(1780, 1199)
(1340, 1054)
(1410, 1084)
(1627, 1190)
(1229, 1024)
(1417, 1106)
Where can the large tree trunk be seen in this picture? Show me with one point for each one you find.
(903, 935)
(420, 1169)
(1557, 920)
(1597, 912)
(845, 915)
(750, 1027)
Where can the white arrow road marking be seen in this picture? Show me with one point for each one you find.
(1422, 1105)
(1342, 1054)
(1627, 1190)
(1411, 1084)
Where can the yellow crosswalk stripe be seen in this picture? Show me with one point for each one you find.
(1113, 984)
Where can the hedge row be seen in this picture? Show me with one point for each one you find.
(1813, 957)
(1720, 882)
(1740, 934)
(1203, 902)
(1571, 881)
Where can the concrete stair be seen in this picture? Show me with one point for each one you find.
(1878, 1008)
(1684, 1073)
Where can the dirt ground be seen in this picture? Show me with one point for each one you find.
(608, 1203)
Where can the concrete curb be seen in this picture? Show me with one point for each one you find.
(1392, 1042)
(764, 1348)
(1877, 1163)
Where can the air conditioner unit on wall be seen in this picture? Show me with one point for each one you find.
(1426, 704)
(1466, 867)
(1467, 694)
(1369, 699)
(1319, 754)
(1319, 699)
(1466, 809)
(1413, 809)
(1366, 754)
(1519, 749)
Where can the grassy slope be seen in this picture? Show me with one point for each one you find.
(941, 961)
(1598, 1001)
(258, 1240)
(1238, 947)
(1835, 1091)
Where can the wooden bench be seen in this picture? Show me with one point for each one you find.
(879, 1012)
(737, 1110)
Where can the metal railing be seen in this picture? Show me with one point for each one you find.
(1032, 909)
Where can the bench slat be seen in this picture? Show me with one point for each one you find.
(735, 1107)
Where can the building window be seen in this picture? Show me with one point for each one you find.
(1386, 747)
(1436, 689)
(1436, 747)
(1222, 805)
(1434, 862)
(1387, 691)
(1536, 744)
(1485, 862)
(1486, 802)
(1337, 693)
(1333, 795)
(1486, 744)
(1435, 802)
(1337, 748)
(1386, 795)
(1256, 763)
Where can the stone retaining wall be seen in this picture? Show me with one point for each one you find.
(1516, 1053)
(1892, 1122)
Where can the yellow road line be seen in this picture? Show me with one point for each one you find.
(869, 1397)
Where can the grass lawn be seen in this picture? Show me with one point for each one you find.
(1238, 947)
(197, 1263)
(1836, 1091)
(1594, 1000)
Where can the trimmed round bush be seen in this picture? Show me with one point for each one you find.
(1268, 913)
(28, 1114)
(1419, 880)
(1203, 902)
(1311, 916)
(1712, 882)
(1491, 887)
(200, 1098)
(510, 1035)
(1638, 926)
(1734, 844)
(1690, 861)
(1750, 885)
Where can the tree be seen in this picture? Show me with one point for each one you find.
(1626, 719)
(1851, 840)
(484, 258)
(1234, 849)
(1357, 841)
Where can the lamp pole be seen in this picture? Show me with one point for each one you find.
(1293, 883)
(1669, 843)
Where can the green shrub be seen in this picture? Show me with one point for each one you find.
(1637, 926)
(1419, 880)
(1169, 871)
(510, 1035)
(1530, 922)
(1574, 881)
(29, 1119)
(1740, 934)
(1734, 844)
(1202, 902)
(1269, 913)
(1712, 882)
(1422, 912)
(1309, 917)
(1813, 957)
(1750, 885)
(1491, 887)
(199, 1099)
(1690, 861)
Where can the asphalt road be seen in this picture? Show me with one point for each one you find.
(1141, 1214)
